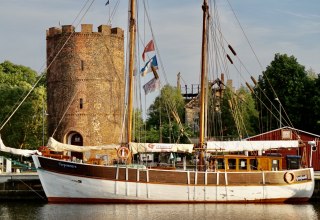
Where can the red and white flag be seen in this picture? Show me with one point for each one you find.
(148, 48)
(151, 86)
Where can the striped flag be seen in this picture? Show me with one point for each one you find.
(151, 86)
(148, 48)
(148, 67)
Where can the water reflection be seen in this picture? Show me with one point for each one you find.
(159, 211)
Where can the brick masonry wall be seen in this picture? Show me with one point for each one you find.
(85, 83)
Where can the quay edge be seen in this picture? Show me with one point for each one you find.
(21, 186)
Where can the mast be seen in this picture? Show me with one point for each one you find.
(203, 71)
(203, 82)
(132, 30)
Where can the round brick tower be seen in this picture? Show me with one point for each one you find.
(85, 84)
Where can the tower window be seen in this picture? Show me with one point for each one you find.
(81, 103)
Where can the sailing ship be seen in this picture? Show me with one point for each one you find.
(221, 178)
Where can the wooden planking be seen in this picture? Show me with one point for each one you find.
(132, 175)
(244, 178)
(274, 178)
(170, 177)
(211, 178)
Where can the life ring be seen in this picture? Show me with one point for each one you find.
(289, 177)
(123, 152)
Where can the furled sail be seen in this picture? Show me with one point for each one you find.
(58, 146)
(22, 152)
(249, 145)
(160, 147)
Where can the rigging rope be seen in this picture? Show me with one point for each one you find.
(42, 75)
(114, 10)
(221, 55)
(248, 41)
(65, 112)
(169, 105)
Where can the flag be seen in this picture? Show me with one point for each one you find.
(147, 68)
(151, 86)
(148, 48)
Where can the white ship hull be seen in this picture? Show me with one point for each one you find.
(61, 187)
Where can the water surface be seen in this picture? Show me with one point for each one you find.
(28, 210)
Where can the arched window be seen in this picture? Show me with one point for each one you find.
(75, 138)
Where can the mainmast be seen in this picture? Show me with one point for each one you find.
(203, 71)
(205, 8)
(132, 30)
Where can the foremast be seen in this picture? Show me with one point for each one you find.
(203, 86)
(132, 30)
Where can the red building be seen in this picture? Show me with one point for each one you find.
(309, 147)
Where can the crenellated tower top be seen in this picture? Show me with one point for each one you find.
(85, 29)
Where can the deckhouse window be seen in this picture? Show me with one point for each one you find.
(253, 164)
(220, 163)
(275, 165)
(243, 164)
(232, 164)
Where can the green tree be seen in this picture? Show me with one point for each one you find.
(238, 114)
(24, 129)
(165, 117)
(310, 98)
(285, 80)
(312, 74)
(138, 126)
(315, 107)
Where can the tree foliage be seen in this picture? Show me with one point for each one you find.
(238, 114)
(165, 117)
(24, 129)
(139, 132)
(287, 81)
(314, 106)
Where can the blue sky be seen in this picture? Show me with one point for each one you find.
(272, 26)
